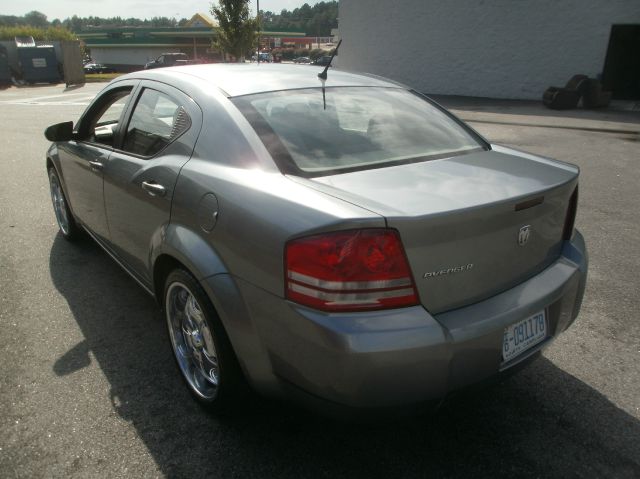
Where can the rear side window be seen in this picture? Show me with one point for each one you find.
(352, 128)
(156, 121)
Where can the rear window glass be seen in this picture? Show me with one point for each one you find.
(352, 128)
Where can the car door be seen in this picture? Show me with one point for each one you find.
(82, 161)
(140, 176)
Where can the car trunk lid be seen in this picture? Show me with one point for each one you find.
(471, 225)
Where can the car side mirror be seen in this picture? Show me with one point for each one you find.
(60, 132)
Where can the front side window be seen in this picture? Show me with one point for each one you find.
(352, 128)
(102, 123)
(156, 121)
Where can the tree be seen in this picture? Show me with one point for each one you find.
(316, 21)
(74, 23)
(36, 19)
(237, 34)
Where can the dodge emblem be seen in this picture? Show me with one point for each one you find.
(523, 235)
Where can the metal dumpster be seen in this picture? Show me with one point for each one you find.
(5, 72)
(38, 63)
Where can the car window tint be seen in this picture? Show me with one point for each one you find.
(156, 121)
(103, 124)
(355, 128)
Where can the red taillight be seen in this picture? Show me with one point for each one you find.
(570, 218)
(349, 271)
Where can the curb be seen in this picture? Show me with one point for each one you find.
(562, 127)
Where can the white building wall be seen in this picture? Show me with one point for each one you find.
(489, 48)
(128, 55)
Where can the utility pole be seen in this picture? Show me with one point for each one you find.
(258, 17)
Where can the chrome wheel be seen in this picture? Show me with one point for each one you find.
(192, 341)
(59, 204)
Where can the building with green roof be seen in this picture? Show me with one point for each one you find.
(129, 48)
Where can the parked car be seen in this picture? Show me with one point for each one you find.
(302, 60)
(170, 60)
(323, 60)
(361, 248)
(265, 57)
(90, 68)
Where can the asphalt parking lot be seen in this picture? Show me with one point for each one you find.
(89, 387)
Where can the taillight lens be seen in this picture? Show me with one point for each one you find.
(349, 271)
(570, 218)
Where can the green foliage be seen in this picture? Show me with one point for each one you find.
(40, 34)
(316, 21)
(33, 18)
(36, 19)
(77, 24)
(237, 33)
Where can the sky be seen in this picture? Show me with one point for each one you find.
(62, 9)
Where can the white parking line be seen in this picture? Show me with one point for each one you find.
(67, 95)
(55, 96)
(83, 100)
(62, 103)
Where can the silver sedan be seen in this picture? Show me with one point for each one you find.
(348, 243)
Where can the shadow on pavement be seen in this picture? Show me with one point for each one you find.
(542, 422)
(73, 87)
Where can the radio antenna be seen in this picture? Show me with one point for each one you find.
(323, 74)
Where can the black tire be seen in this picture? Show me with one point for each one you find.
(231, 387)
(69, 229)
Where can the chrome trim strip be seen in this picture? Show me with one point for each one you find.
(348, 285)
(350, 298)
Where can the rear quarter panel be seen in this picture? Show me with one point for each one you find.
(258, 208)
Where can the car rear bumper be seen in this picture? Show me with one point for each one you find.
(393, 358)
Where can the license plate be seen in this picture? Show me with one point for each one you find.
(523, 335)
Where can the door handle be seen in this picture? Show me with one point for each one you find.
(96, 165)
(154, 189)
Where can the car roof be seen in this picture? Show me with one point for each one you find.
(237, 79)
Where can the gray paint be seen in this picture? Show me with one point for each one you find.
(354, 359)
(246, 79)
(470, 198)
(133, 214)
(84, 184)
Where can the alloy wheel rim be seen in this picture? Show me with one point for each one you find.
(59, 204)
(192, 341)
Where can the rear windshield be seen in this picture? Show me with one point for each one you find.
(352, 128)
